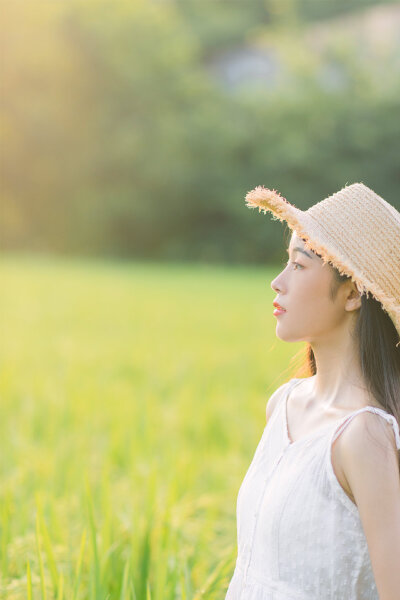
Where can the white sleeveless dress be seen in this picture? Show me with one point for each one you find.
(299, 535)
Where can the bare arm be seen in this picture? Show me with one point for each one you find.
(371, 466)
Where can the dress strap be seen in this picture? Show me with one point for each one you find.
(283, 403)
(288, 388)
(387, 416)
(285, 390)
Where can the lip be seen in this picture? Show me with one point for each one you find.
(278, 306)
(279, 310)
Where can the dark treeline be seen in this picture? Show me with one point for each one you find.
(122, 135)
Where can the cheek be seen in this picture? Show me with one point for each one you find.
(311, 295)
(308, 287)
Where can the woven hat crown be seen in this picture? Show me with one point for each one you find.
(355, 230)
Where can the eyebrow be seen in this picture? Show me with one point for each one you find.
(297, 249)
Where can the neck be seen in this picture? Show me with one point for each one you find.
(338, 382)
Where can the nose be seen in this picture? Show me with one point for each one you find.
(277, 284)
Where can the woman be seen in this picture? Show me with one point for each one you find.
(318, 512)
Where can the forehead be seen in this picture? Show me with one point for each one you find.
(296, 242)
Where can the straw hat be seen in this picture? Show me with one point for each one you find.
(355, 230)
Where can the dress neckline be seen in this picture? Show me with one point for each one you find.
(320, 430)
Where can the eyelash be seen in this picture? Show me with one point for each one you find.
(294, 263)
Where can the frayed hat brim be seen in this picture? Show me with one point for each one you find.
(316, 239)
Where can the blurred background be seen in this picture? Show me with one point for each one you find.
(138, 346)
(135, 128)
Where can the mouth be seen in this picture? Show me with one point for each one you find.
(278, 307)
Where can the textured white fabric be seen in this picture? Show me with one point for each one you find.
(299, 535)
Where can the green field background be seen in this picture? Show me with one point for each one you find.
(133, 397)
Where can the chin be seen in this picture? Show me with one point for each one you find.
(288, 336)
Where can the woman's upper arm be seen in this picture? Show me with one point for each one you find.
(371, 466)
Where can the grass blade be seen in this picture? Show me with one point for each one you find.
(42, 581)
(29, 593)
(79, 565)
(47, 547)
(148, 590)
(5, 534)
(92, 526)
(125, 583)
(60, 588)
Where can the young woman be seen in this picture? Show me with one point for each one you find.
(318, 512)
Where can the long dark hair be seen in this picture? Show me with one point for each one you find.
(376, 337)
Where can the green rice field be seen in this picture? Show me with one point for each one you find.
(132, 398)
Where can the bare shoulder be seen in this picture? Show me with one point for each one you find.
(368, 457)
(368, 433)
(275, 398)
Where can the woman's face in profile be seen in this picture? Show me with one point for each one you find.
(303, 290)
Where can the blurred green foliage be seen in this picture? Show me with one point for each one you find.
(132, 400)
(119, 139)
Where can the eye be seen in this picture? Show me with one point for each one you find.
(295, 264)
